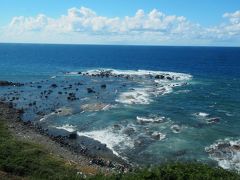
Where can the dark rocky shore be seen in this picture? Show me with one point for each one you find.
(49, 97)
(65, 146)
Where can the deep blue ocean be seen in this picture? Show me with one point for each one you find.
(191, 113)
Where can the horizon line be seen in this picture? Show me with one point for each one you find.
(147, 45)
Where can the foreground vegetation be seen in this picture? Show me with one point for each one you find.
(23, 160)
(30, 160)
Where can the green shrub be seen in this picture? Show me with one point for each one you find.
(176, 171)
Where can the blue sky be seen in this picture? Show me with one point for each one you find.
(206, 13)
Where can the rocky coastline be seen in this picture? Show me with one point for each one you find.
(64, 146)
(56, 97)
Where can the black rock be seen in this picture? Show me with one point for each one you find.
(54, 86)
(73, 135)
(103, 86)
(159, 77)
(72, 96)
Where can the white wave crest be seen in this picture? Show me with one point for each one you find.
(67, 127)
(226, 153)
(136, 96)
(144, 95)
(201, 114)
(95, 107)
(143, 120)
(113, 140)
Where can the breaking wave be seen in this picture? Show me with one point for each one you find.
(67, 127)
(113, 140)
(152, 83)
(116, 72)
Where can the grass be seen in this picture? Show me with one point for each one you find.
(30, 160)
(22, 160)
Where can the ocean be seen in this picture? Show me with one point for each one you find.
(148, 104)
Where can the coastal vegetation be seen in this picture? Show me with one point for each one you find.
(26, 160)
(30, 160)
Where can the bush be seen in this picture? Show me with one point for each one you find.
(176, 171)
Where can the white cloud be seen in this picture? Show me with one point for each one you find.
(83, 25)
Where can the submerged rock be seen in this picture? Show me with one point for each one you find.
(103, 86)
(213, 120)
(117, 127)
(176, 128)
(129, 131)
(90, 90)
(72, 97)
(64, 111)
(54, 86)
(94, 107)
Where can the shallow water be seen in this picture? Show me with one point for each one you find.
(142, 118)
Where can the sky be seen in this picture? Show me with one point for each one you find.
(137, 22)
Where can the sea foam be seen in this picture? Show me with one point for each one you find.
(143, 120)
(152, 83)
(113, 140)
(67, 127)
(226, 152)
(136, 96)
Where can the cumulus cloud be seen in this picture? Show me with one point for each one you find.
(83, 25)
(233, 27)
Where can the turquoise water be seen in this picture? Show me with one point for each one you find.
(193, 115)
